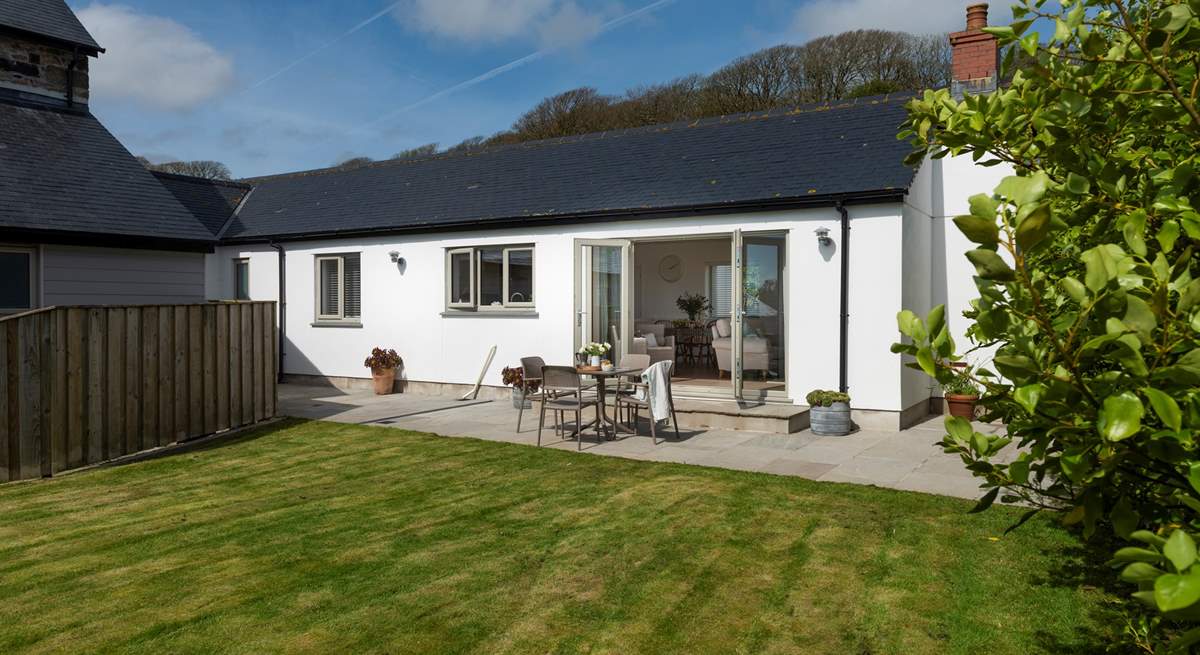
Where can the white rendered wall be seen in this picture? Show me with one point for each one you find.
(403, 309)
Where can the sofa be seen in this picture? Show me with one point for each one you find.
(755, 349)
(663, 349)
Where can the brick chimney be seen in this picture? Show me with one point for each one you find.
(975, 59)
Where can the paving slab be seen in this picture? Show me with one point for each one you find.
(906, 459)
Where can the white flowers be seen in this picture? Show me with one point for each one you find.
(594, 349)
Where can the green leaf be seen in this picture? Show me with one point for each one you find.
(1165, 407)
(907, 321)
(1124, 518)
(984, 206)
(1194, 475)
(1029, 43)
(990, 266)
(1176, 591)
(1033, 225)
(1148, 537)
(1075, 289)
(925, 361)
(1029, 395)
(1018, 471)
(978, 230)
(1140, 572)
(1100, 267)
(1134, 554)
(1121, 416)
(935, 321)
(986, 501)
(959, 428)
(1183, 642)
(1139, 317)
(1167, 235)
(1189, 297)
(1023, 190)
(1078, 184)
(1180, 549)
(1172, 18)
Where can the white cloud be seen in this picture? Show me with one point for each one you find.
(820, 17)
(549, 23)
(153, 60)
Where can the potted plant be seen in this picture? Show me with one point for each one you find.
(515, 378)
(383, 365)
(693, 304)
(594, 351)
(961, 393)
(829, 413)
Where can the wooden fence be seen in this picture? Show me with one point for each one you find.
(83, 385)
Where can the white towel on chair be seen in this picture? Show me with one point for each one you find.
(656, 377)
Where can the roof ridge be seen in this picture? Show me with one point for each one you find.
(707, 121)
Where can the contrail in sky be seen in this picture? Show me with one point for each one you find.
(383, 12)
(516, 63)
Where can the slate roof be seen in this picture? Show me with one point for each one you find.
(802, 155)
(212, 202)
(51, 19)
(61, 171)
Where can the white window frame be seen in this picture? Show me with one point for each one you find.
(32, 253)
(237, 262)
(476, 253)
(340, 317)
(473, 288)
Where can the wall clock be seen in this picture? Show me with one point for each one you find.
(670, 268)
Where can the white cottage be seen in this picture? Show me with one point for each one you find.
(801, 226)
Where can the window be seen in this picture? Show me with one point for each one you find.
(720, 289)
(16, 269)
(490, 278)
(339, 289)
(241, 279)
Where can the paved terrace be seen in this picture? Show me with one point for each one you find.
(907, 459)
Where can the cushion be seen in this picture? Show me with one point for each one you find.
(651, 340)
(723, 327)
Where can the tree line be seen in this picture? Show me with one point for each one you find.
(852, 64)
(847, 65)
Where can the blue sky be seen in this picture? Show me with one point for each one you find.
(273, 86)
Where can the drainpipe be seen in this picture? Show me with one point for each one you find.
(282, 304)
(843, 346)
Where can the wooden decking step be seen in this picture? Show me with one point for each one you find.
(748, 415)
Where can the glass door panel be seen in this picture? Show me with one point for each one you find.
(761, 293)
(602, 294)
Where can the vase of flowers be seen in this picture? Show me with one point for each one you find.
(383, 365)
(594, 351)
(694, 305)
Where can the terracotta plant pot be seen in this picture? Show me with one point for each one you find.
(962, 406)
(385, 379)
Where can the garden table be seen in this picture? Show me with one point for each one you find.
(601, 376)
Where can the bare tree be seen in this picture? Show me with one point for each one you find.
(209, 170)
(353, 162)
(419, 151)
(764, 79)
(571, 112)
(470, 144)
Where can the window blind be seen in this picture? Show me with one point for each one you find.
(330, 285)
(351, 272)
(720, 289)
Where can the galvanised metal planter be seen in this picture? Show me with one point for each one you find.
(832, 421)
(520, 400)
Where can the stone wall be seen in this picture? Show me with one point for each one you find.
(37, 68)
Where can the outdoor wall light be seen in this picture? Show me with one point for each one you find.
(823, 236)
(396, 258)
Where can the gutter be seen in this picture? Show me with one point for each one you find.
(866, 197)
(844, 318)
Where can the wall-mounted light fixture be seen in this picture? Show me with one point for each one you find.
(396, 258)
(823, 236)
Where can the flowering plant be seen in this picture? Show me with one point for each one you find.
(594, 349)
(515, 377)
(382, 359)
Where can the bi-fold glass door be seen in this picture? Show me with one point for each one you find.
(603, 294)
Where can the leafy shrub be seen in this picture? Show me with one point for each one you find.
(961, 384)
(382, 359)
(1089, 285)
(822, 398)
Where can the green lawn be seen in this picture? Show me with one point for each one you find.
(319, 537)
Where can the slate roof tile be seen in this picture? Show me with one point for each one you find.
(49, 18)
